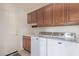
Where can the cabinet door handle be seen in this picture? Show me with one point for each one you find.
(59, 42)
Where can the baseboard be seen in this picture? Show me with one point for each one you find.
(11, 53)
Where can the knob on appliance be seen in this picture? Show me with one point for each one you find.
(59, 42)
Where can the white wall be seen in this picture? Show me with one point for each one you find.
(13, 25)
(73, 28)
(12, 22)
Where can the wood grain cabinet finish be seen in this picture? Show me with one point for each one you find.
(27, 43)
(59, 13)
(55, 14)
(73, 13)
(40, 17)
(32, 18)
(48, 15)
(29, 20)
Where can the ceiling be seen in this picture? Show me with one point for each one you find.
(29, 7)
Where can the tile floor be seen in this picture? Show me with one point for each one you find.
(24, 53)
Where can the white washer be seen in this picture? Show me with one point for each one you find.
(38, 46)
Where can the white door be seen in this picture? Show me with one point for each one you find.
(11, 42)
(8, 25)
(10, 38)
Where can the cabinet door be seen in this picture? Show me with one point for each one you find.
(24, 43)
(40, 13)
(73, 13)
(59, 13)
(48, 15)
(29, 19)
(33, 17)
(27, 43)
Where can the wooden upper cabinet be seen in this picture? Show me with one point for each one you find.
(73, 13)
(34, 19)
(31, 17)
(55, 14)
(59, 15)
(48, 15)
(40, 18)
